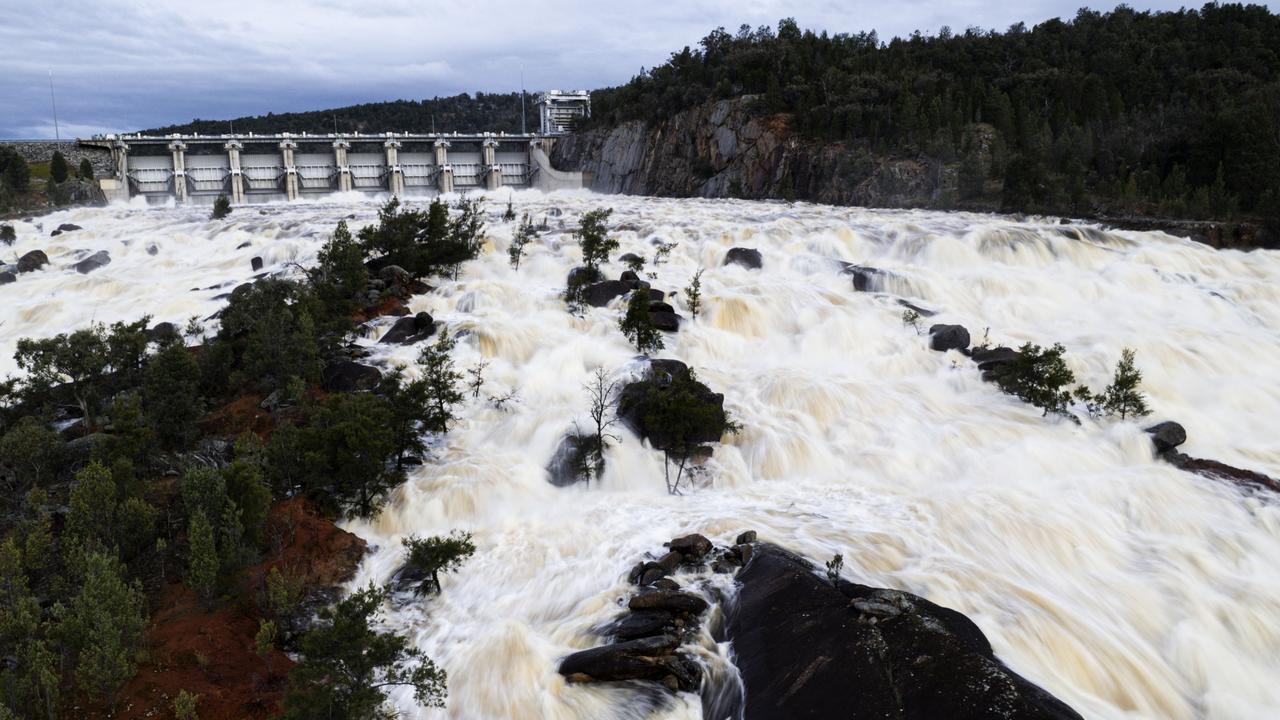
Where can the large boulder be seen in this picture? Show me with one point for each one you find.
(32, 261)
(95, 261)
(65, 228)
(748, 258)
(804, 646)
(993, 362)
(674, 601)
(583, 275)
(948, 337)
(1167, 435)
(665, 321)
(634, 405)
(569, 463)
(410, 329)
(7, 277)
(865, 279)
(599, 294)
(691, 546)
(643, 623)
(350, 376)
(648, 658)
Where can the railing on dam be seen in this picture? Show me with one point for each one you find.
(284, 166)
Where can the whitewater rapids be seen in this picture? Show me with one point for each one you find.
(1124, 586)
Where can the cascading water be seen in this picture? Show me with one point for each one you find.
(1126, 587)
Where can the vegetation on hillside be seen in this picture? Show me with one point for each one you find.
(482, 112)
(118, 425)
(1170, 113)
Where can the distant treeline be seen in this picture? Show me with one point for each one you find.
(492, 112)
(1169, 113)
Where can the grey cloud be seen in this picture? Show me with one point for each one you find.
(126, 64)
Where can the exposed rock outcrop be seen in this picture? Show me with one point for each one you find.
(804, 647)
(721, 150)
(32, 261)
(350, 376)
(410, 329)
(749, 258)
(948, 337)
(95, 261)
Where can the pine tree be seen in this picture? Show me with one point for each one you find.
(86, 169)
(441, 379)
(593, 238)
(1122, 396)
(202, 560)
(436, 555)
(101, 626)
(171, 396)
(693, 294)
(346, 665)
(59, 170)
(1039, 376)
(638, 327)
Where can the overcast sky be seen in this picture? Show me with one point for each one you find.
(130, 64)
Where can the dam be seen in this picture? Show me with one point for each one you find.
(252, 168)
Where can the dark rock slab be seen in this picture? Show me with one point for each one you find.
(95, 261)
(1247, 479)
(7, 277)
(599, 294)
(749, 258)
(665, 321)
(806, 649)
(410, 329)
(569, 462)
(675, 601)
(692, 547)
(646, 623)
(255, 263)
(1167, 435)
(350, 376)
(948, 337)
(32, 261)
(65, 228)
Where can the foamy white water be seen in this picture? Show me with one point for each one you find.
(1124, 586)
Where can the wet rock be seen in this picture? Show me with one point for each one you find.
(665, 321)
(630, 278)
(569, 462)
(244, 245)
(95, 261)
(633, 405)
(410, 329)
(665, 583)
(692, 547)
(350, 376)
(1247, 479)
(749, 258)
(653, 574)
(599, 294)
(660, 306)
(645, 623)
(1167, 435)
(7, 277)
(865, 279)
(583, 275)
(628, 258)
(153, 249)
(804, 646)
(675, 601)
(745, 538)
(650, 658)
(923, 312)
(7, 234)
(256, 264)
(948, 337)
(671, 561)
(993, 361)
(32, 261)
(65, 228)
(164, 332)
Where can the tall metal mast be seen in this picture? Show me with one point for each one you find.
(57, 134)
(523, 129)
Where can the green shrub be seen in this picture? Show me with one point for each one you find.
(638, 326)
(593, 238)
(1040, 377)
(434, 555)
(221, 207)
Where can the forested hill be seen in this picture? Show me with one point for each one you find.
(491, 112)
(1172, 114)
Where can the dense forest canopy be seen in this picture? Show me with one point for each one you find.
(483, 112)
(1174, 113)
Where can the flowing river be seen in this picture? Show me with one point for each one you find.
(1126, 587)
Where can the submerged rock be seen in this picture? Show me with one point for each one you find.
(95, 261)
(601, 293)
(410, 329)
(65, 228)
(804, 647)
(7, 277)
(749, 258)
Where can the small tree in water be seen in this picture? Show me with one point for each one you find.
(523, 236)
(603, 396)
(1039, 376)
(1122, 396)
(687, 415)
(638, 326)
(221, 207)
(438, 554)
(693, 294)
(347, 664)
(593, 237)
(834, 566)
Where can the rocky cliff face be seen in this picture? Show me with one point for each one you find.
(721, 150)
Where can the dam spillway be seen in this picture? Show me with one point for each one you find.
(260, 168)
